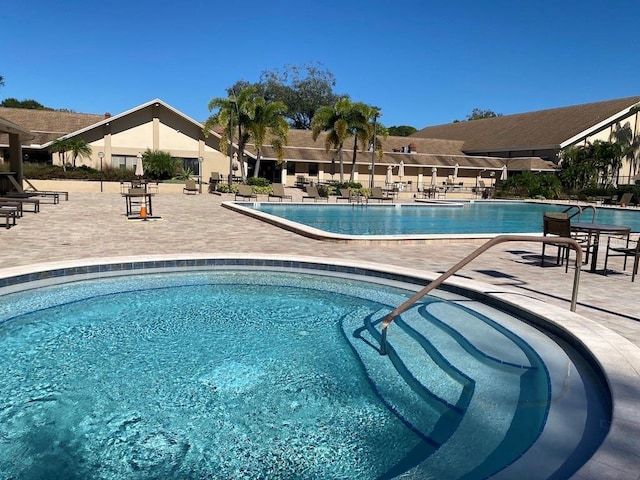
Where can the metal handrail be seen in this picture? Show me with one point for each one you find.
(571, 207)
(593, 219)
(570, 242)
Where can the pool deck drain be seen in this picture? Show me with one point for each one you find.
(93, 226)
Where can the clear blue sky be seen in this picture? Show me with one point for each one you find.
(422, 62)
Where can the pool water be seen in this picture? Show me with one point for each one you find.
(256, 374)
(461, 218)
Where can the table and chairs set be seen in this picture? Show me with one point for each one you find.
(619, 241)
(138, 196)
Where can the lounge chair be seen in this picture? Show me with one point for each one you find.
(626, 248)
(190, 187)
(278, 192)
(558, 225)
(19, 192)
(312, 193)
(34, 202)
(9, 213)
(46, 193)
(625, 200)
(245, 191)
(378, 194)
(11, 204)
(345, 194)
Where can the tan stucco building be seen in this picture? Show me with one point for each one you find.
(463, 152)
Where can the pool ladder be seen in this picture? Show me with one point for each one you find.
(569, 242)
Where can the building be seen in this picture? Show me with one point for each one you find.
(458, 153)
(544, 133)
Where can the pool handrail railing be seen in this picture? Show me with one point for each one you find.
(570, 242)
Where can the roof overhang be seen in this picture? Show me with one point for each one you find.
(627, 112)
(11, 128)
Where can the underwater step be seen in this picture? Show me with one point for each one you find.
(417, 340)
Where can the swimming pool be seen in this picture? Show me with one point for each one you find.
(254, 368)
(476, 218)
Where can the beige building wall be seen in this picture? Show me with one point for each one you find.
(132, 135)
(607, 133)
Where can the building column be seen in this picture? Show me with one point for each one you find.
(15, 156)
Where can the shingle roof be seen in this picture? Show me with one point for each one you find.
(428, 153)
(527, 131)
(47, 125)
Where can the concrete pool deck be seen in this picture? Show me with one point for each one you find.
(93, 225)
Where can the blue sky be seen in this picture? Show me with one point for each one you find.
(422, 62)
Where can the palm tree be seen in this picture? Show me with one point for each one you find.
(78, 148)
(629, 143)
(360, 121)
(61, 147)
(267, 118)
(233, 110)
(335, 121)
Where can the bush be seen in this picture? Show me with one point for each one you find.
(528, 184)
(40, 171)
(258, 182)
(159, 165)
(355, 187)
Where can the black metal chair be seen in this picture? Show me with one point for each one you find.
(626, 248)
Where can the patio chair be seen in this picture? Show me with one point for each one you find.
(625, 200)
(245, 191)
(623, 247)
(278, 192)
(215, 178)
(345, 194)
(190, 187)
(557, 225)
(312, 193)
(378, 194)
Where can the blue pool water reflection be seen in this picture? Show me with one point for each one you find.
(411, 219)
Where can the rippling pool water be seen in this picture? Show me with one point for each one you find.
(242, 375)
(461, 218)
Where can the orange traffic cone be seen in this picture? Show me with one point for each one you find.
(143, 212)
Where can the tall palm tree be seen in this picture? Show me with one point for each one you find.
(335, 121)
(78, 148)
(61, 147)
(361, 123)
(630, 144)
(267, 118)
(232, 111)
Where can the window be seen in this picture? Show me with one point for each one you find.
(313, 169)
(124, 161)
(191, 164)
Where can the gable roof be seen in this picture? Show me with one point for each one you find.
(47, 125)
(543, 129)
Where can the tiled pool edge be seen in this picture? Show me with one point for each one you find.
(618, 358)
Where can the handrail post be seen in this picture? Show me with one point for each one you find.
(570, 242)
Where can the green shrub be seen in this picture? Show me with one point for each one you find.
(159, 165)
(258, 182)
(528, 184)
(355, 187)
